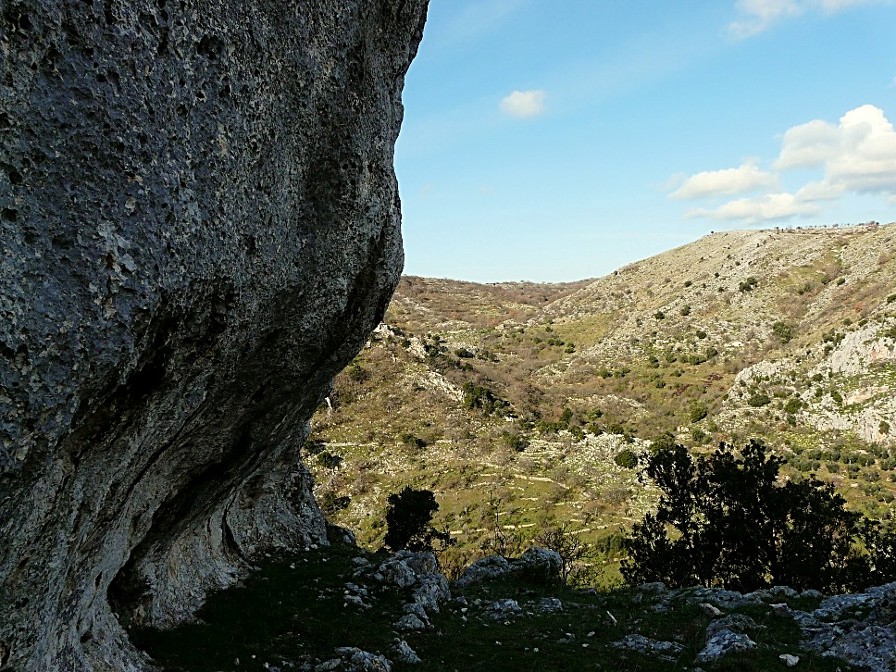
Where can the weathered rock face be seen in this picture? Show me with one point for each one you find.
(200, 225)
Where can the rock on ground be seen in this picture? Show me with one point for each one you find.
(536, 563)
(200, 226)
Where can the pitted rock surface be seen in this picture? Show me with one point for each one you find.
(200, 226)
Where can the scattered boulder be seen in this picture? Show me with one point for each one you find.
(485, 569)
(539, 564)
(411, 623)
(417, 571)
(549, 605)
(503, 609)
(355, 660)
(711, 610)
(726, 635)
(650, 647)
(722, 643)
(789, 659)
(859, 627)
(405, 654)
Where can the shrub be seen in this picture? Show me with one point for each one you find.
(328, 460)
(356, 373)
(783, 331)
(736, 527)
(659, 315)
(698, 412)
(515, 441)
(568, 545)
(626, 459)
(748, 285)
(478, 396)
(412, 441)
(408, 520)
(330, 503)
(884, 427)
(758, 399)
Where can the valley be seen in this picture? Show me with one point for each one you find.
(524, 406)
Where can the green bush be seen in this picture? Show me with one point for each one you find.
(758, 399)
(478, 396)
(626, 459)
(783, 331)
(748, 285)
(735, 526)
(698, 412)
(515, 441)
(408, 520)
(328, 460)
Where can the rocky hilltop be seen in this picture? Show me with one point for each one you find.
(200, 226)
(521, 404)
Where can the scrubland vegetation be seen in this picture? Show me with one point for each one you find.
(525, 407)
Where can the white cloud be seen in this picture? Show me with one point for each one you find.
(748, 177)
(857, 155)
(524, 104)
(808, 144)
(761, 209)
(757, 16)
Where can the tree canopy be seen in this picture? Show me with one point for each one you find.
(408, 520)
(726, 520)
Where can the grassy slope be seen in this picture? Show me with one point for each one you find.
(639, 353)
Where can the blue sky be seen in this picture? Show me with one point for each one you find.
(556, 140)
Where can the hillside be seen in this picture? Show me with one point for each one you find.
(518, 403)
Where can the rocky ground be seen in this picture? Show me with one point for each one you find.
(341, 608)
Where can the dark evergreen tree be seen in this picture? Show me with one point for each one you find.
(408, 521)
(725, 520)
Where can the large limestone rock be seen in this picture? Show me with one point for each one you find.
(199, 225)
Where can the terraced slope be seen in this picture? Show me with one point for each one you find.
(518, 403)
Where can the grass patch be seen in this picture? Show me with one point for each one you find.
(291, 613)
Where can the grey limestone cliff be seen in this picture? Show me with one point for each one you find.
(199, 225)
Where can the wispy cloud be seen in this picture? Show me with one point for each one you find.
(480, 17)
(757, 16)
(857, 155)
(524, 104)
